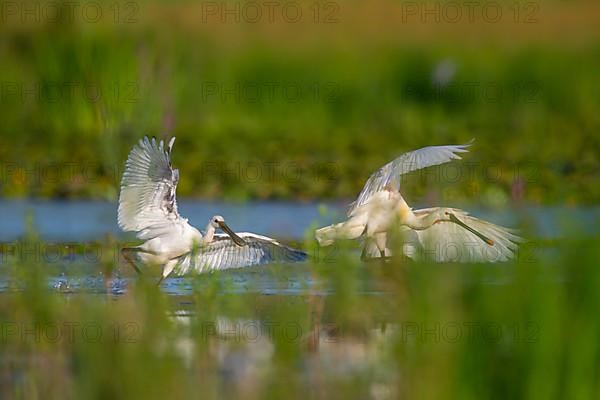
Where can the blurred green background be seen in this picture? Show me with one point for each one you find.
(349, 83)
(354, 84)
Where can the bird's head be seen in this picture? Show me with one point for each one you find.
(217, 221)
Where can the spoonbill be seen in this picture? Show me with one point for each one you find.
(443, 234)
(148, 207)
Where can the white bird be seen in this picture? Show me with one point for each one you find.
(148, 206)
(380, 214)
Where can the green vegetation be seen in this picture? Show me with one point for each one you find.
(333, 328)
(228, 92)
(76, 95)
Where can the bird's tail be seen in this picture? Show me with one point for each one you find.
(345, 230)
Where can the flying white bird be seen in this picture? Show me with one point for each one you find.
(148, 206)
(441, 234)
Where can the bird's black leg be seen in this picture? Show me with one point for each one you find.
(162, 276)
(127, 252)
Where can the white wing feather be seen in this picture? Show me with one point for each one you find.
(147, 202)
(448, 241)
(222, 253)
(389, 174)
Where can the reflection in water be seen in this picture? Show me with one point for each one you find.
(245, 349)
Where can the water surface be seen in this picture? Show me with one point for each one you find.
(89, 220)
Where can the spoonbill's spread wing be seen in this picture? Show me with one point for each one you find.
(223, 253)
(449, 242)
(389, 174)
(147, 203)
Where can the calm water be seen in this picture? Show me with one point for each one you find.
(77, 221)
(88, 221)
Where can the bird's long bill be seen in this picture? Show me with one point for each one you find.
(236, 239)
(473, 231)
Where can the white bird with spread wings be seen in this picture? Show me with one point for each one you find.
(442, 234)
(148, 206)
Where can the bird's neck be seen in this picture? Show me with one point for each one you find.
(209, 234)
(422, 222)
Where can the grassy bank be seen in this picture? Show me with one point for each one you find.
(262, 110)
